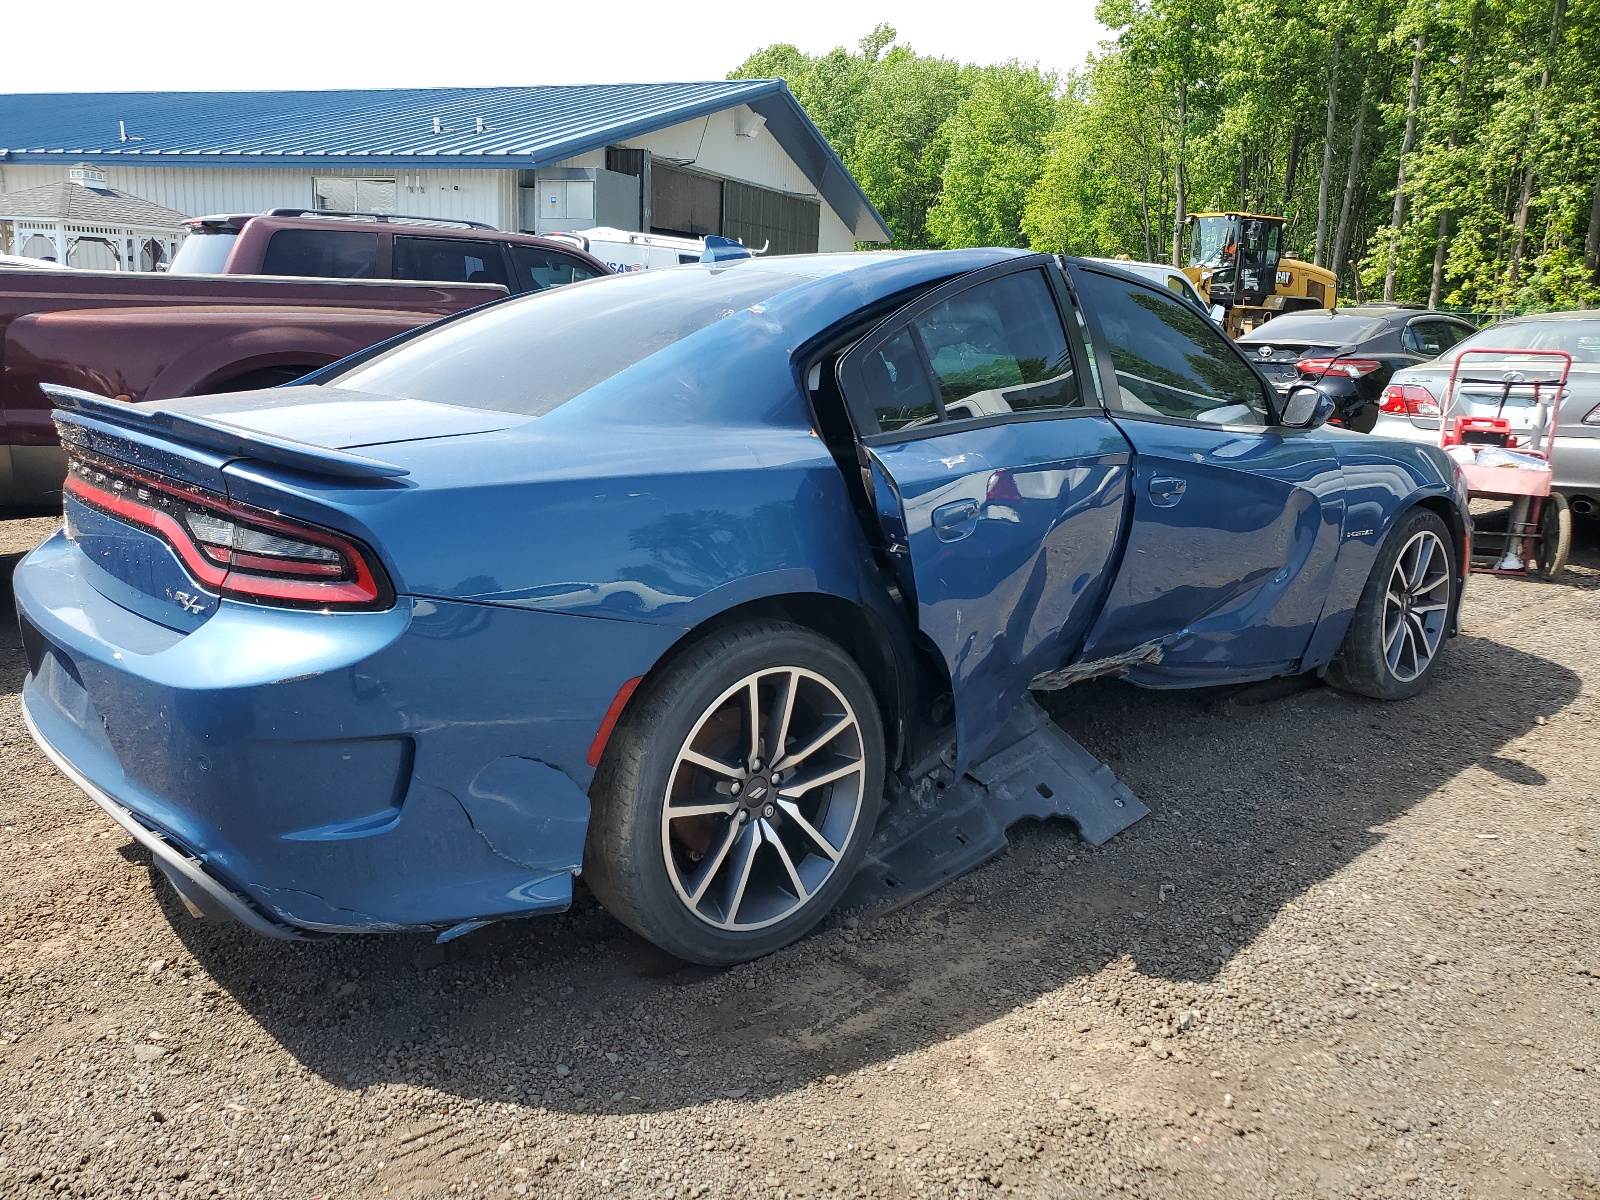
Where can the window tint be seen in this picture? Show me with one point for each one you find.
(329, 253)
(1430, 338)
(538, 268)
(449, 260)
(896, 385)
(999, 348)
(1170, 361)
(534, 353)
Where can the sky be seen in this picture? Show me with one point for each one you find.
(512, 42)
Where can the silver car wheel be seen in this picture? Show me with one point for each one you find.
(1416, 606)
(763, 799)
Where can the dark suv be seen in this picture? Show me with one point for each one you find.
(1350, 353)
(341, 245)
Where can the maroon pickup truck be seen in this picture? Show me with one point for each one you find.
(282, 298)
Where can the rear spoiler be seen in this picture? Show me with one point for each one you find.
(222, 436)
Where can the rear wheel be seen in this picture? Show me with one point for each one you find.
(1555, 536)
(737, 796)
(1400, 624)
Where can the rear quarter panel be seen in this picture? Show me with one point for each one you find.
(1384, 479)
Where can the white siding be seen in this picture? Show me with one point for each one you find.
(710, 144)
(487, 196)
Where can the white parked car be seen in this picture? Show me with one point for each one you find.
(1411, 403)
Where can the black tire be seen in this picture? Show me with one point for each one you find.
(634, 861)
(1555, 537)
(1363, 664)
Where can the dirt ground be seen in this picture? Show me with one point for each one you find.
(1354, 951)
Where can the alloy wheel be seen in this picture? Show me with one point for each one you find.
(1416, 605)
(763, 799)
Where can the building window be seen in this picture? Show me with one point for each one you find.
(337, 194)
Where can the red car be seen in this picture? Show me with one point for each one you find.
(252, 302)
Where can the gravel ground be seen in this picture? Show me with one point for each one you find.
(1354, 951)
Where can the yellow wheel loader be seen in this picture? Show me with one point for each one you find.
(1236, 260)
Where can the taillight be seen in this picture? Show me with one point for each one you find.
(1408, 399)
(1353, 367)
(1594, 416)
(234, 549)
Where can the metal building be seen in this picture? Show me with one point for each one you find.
(736, 158)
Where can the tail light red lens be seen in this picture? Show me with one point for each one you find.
(1355, 368)
(234, 549)
(1408, 400)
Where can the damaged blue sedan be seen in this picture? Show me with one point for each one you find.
(695, 582)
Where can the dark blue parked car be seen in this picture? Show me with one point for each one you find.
(660, 576)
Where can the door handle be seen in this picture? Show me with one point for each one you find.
(1166, 491)
(956, 520)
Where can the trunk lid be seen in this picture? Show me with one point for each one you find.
(143, 480)
(1478, 396)
(1277, 359)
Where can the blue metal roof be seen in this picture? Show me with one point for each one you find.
(504, 128)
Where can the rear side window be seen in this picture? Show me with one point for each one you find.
(327, 253)
(449, 260)
(999, 348)
(1170, 361)
(538, 268)
(1431, 338)
(532, 354)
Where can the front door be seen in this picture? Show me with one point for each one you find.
(1000, 480)
(1235, 522)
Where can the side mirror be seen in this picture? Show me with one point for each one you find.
(1305, 407)
(1217, 313)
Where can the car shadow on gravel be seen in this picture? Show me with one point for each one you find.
(1255, 798)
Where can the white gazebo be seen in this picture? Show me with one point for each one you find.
(84, 223)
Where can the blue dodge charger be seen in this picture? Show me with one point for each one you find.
(662, 578)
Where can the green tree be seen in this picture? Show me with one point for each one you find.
(996, 140)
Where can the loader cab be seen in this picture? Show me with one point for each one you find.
(1233, 257)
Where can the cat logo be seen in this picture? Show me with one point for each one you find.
(1285, 278)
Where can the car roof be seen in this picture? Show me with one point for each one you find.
(431, 226)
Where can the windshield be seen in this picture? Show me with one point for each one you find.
(1212, 241)
(204, 252)
(1579, 338)
(533, 354)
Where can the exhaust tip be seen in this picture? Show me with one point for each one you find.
(1585, 506)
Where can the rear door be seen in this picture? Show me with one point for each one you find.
(999, 480)
(1235, 522)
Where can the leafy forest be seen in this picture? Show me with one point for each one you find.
(1436, 151)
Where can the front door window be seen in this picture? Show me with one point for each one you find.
(1171, 361)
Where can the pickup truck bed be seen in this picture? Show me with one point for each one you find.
(153, 337)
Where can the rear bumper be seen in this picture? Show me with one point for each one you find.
(1575, 459)
(307, 771)
(182, 868)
